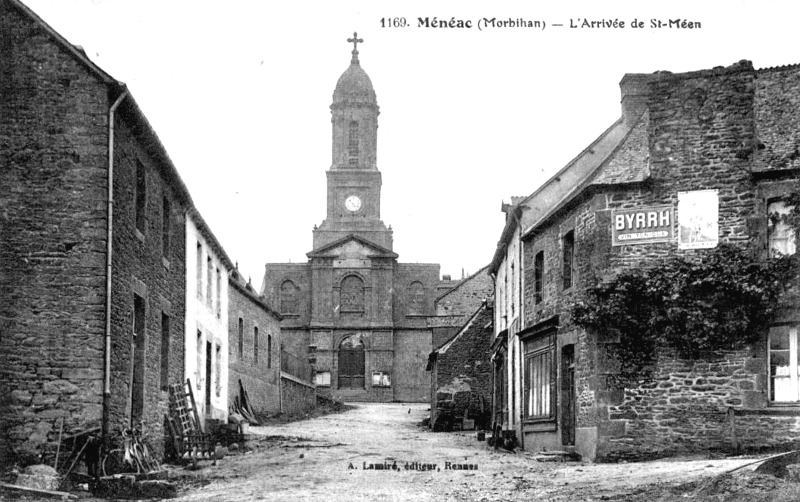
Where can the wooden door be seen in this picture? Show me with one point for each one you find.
(568, 399)
(351, 365)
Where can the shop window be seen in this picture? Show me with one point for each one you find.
(539, 377)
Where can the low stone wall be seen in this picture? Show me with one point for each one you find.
(298, 397)
(700, 406)
(683, 409)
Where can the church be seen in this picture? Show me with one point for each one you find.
(359, 314)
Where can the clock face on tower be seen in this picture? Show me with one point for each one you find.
(352, 203)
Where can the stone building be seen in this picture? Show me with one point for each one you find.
(455, 306)
(92, 247)
(206, 333)
(460, 365)
(709, 154)
(357, 312)
(254, 348)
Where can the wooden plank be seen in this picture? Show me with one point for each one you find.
(36, 491)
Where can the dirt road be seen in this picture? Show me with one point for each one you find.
(378, 452)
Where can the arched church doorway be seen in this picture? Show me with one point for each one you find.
(351, 363)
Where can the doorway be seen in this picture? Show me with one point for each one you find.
(568, 399)
(351, 363)
(208, 378)
(137, 361)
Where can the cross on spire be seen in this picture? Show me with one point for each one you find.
(355, 41)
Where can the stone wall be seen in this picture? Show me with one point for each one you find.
(410, 380)
(260, 378)
(142, 267)
(298, 397)
(462, 375)
(53, 118)
(54, 113)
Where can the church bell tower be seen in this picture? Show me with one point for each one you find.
(354, 182)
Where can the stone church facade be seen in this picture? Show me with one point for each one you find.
(359, 314)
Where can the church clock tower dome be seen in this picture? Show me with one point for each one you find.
(354, 116)
(354, 182)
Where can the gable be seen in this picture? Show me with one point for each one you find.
(352, 247)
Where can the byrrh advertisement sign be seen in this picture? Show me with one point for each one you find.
(642, 225)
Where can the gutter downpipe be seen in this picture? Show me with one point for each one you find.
(109, 249)
(280, 374)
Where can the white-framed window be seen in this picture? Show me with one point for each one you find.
(323, 379)
(381, 379)
(784, 379)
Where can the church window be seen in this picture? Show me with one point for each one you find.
(352, 145)
(288, 298)
(416, 298)
(241, 339)
(255, 345)
(352, 294)
(780, 233)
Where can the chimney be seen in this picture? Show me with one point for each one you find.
(634, 90)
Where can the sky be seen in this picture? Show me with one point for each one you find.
(239, 94)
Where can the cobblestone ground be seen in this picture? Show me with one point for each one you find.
(330, 459)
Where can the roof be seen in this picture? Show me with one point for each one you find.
(237, 281)
(446, 345)
(529, 211)
(380, 250)
(461, 283)
(354, 86)
(130, 111)
(589, 168)
(76, 51)
(203, 227)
